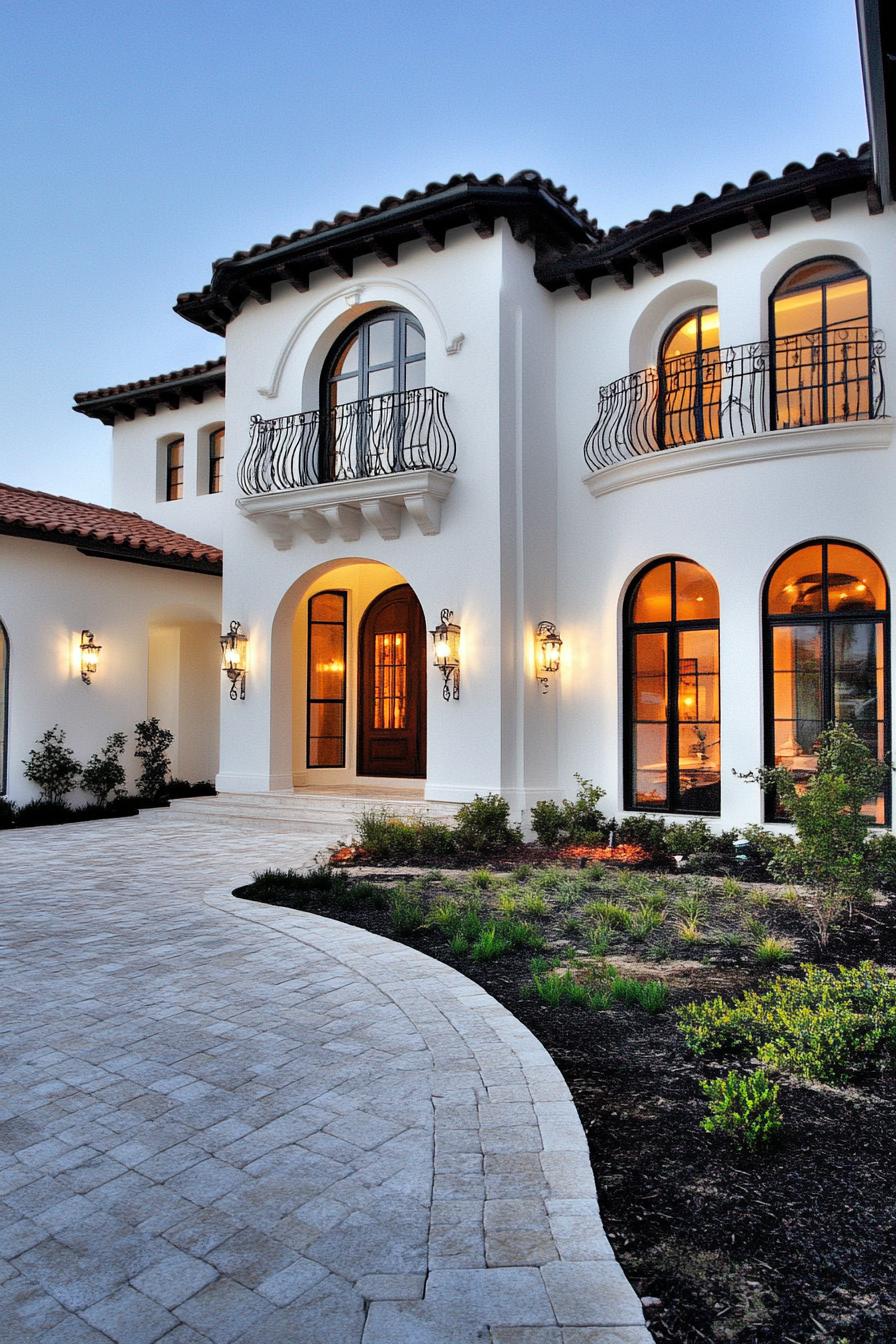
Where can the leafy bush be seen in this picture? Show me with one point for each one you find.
(575, 821)
(483, 825)
(152, 746)
(52, 766)
(830, 858)
(397, 840)
(182, 788)
(827, 1025)
(880, 852)
(435, 840)
(648, 832)
(104, 773)
(40, 813)
(8, 812)
(743, 1108)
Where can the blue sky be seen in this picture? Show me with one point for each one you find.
(141, 141)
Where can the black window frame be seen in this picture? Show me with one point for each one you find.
(216, 460)
(329, 700)
(851, 270)
(697, 409)
(827, 620)
(400, 360)
(172, 479)
(671, 629)
(4, 716)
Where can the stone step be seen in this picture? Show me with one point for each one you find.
(332, 815)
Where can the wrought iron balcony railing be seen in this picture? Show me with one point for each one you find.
(812, 378)
(394, 432)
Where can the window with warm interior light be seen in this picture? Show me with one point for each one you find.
(826, 654)
(690, 386)
(820, 333)
(326, 680)
(216, 461)
(174, 469)
(673, 724)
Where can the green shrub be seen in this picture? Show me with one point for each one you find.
(405, 910)
(648, 832)
(435, 840)
(8, 812)
(574, 821)
(386, 837)
(548, 822)
(742, 1107)
(483, 825)
(826, 1025)
(104, 773)
(52, 766)
(40, 813)
(152, 746)
(294, 888)
(880, 852)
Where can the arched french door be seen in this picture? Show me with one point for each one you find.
(392, 686)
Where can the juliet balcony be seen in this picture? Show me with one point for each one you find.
(735, 393)
(373, 461)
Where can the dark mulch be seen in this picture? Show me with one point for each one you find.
(796, 1246)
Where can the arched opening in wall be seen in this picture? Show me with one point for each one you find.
(826, 643)
(673, 731)
(4, 703)
(183, 688)
(348, 678)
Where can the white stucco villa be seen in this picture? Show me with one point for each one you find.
(667, 441)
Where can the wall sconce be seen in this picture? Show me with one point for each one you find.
(547, 653)
(446, 654)
(89, 656)
(233, 662)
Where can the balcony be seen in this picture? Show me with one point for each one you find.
(739, 392)
(366, 461)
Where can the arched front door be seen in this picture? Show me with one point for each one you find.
(392, 686)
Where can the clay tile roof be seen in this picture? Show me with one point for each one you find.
(104, 403)
(538, 209)
(618, 250)
(98, 530)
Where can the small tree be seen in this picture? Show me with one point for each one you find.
(152, 746)
(104, 773)
(830, 858)
(52, 766)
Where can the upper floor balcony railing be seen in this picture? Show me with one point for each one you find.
(810, 378)
(360, 440)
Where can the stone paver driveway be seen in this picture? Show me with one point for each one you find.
(224, 1122)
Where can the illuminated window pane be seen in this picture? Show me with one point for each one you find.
(653, 596)
(797, 585)
(326, 680)
(690, 380)
(390, 686)
(215, 461)
(696, 594)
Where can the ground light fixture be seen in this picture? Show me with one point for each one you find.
(89, 656)
(233, 660)
(446, 654)
(547, 653)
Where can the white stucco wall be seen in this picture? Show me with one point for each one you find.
(48, 594)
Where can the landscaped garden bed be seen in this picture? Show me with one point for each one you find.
(744, 1150)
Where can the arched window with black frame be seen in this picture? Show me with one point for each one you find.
(4, 703)
(821, 343)
(371, 392)
(690, 386)
(826, 616)
(672, 712)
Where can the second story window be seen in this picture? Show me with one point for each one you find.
(368, 415)
(174, 470)
(689, 380)
(216, 461)
(820, 332)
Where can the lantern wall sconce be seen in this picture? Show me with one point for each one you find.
(547, 653)
(89, 656)
(446, 654)
(233, 662)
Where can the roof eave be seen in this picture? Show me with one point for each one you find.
(147, 399)
(877, 43)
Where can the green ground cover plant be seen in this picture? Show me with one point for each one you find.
(743, 1108)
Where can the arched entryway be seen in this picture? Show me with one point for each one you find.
(392, 686)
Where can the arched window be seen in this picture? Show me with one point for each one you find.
(367, 392)
(826, 637)
(4, 703)
(820, 333)
(673, 727)
(690, 381)
(216, 461)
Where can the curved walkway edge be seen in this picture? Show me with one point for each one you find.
(511, 1170)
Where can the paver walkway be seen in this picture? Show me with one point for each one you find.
(220, 1121)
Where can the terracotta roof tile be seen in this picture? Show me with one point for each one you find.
(57, 518)
(159, 380)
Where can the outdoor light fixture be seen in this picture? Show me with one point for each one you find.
(89, 654)
(446, 654)
(233, 663)
(547, 653)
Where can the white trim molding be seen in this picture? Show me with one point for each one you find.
(341, 508)
(817, 440)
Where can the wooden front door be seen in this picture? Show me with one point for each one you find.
(392, 686)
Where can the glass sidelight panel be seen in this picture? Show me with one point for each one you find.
(326, 680)
(650, 719)
(699, 738)
(857, 652)
(390, 689)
